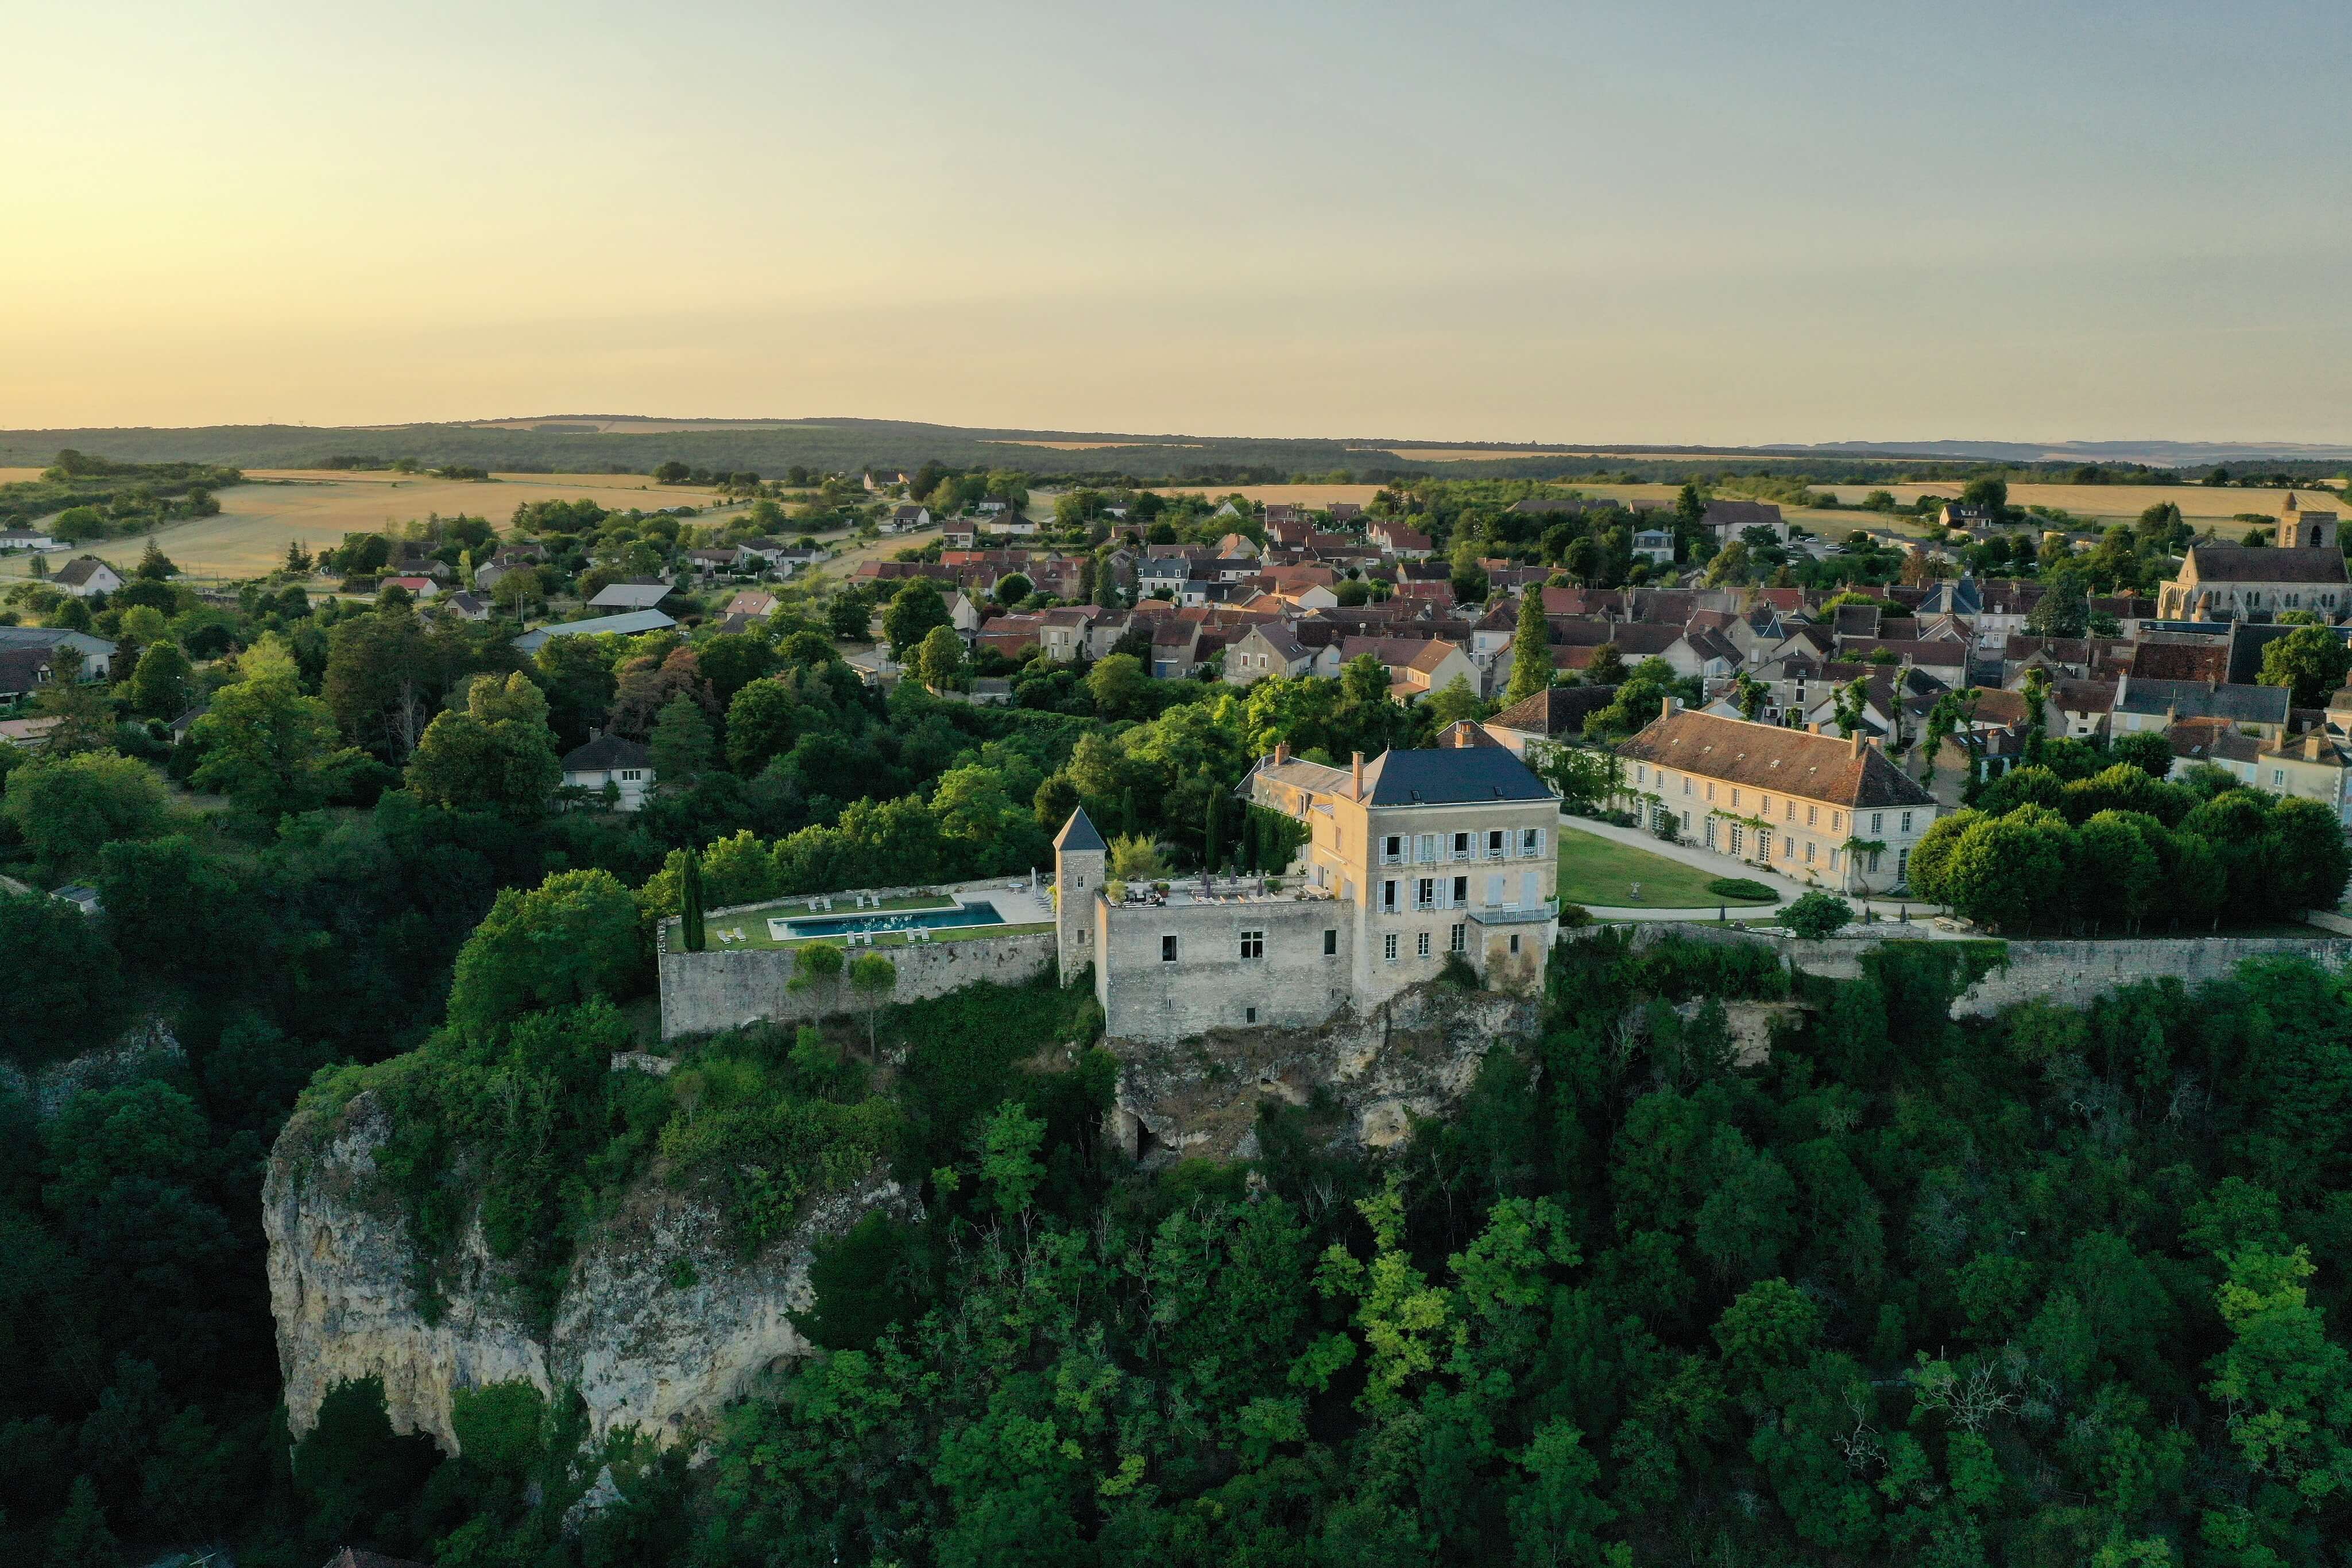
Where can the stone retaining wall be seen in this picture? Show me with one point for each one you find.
(702, 993)
(2069, 974)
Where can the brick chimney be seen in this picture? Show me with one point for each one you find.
(1281, 752)
(1359, 775)
(1666, 708)
(1855, 740)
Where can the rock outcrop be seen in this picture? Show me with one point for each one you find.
(660, 1324)
(1414, 1055)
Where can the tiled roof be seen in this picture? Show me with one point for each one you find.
(1555, 710)
(1767, 757)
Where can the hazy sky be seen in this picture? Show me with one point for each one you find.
(1719, 221)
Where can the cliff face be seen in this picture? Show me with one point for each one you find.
(658, 1326)
(1414, 1055)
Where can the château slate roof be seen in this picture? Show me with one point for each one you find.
(1768, 757)
(1450, 778)
(1078, 834)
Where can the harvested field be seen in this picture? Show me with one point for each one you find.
(1313, 497)
(2113, 503)
(1093, 446)
(259, 518)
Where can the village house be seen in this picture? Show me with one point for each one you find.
(43, 642)
(14, 539)
(466, 606)
(1815, 808)
(1407, 859)
(621, 768)
(85, 576)
(2142, 705)
(905, 519)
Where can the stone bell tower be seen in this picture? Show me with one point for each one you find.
(2300, 529)
(1081, 861)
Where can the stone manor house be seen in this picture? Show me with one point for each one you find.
(1408, 858)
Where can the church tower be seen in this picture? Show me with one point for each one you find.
(1081, 861)
(2302, 529)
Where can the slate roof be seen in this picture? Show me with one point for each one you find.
(1767, 757)
(605, 753)
(1555, 710)
(631, 593)
(1079, 833)
(2203, 699)
(2211, 562)
(79, 571)
(1452, 778)
(629, 624)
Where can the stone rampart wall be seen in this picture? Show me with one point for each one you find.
(2069, 974)
(705, 992)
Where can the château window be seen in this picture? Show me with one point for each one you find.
(1906, 822)
(1389, 946)
(1462, 851)
(1330, 943)
(1253, 943)
(1393, 849)
(1424, 893)
(1459, 939)
(1494, 845)
(1388, 898)
(1530, 842)
(1168, 949)
(1426, 849)
(1877, 821)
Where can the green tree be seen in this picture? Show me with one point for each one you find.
(573, 936)
(1121, 687)
(939, 661)
(69, 807)
(158, 685)
(2310, 660)
(65, 987)
(1531, 664)
(1009, 1167)
(497, 755)
(689, 902)
(873, 978)
(681, 746)
(1454, 701)
(1816, 915)
(2063, 610)
(80, 1539)
(1554, 1518)
(1608, 666)
(914, 610)
(83, 711)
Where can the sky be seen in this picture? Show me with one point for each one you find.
(1705, 220)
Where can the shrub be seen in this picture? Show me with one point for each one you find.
(1740, 887)
(1574, 917)
(1816, 915)
(1456, 971)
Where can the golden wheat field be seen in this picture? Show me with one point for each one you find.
(12, 475)
(2103, 504)
(274, 507)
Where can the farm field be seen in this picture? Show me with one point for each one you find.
(16, 475)
(274, 507)
(1312, 496)
(2102, 503)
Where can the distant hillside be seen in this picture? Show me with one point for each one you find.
(633, 444)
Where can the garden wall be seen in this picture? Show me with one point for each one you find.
(2069, 974)
(705, 992)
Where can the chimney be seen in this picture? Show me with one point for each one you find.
(1281, 752)
(1855, 740)
(1813, 728)
(1667, 709)
(1359, 775)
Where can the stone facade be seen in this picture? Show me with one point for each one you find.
(1414, 857)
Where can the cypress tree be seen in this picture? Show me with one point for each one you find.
(690, 901)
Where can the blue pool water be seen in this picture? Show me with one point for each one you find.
(903, 920)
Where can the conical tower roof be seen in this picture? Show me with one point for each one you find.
(1079, 833)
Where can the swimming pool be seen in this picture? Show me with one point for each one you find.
(977, 912)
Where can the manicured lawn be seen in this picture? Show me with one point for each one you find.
(1597, 870)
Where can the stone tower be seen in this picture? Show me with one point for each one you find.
(2302, 529)
(1081, 861)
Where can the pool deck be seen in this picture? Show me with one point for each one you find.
(1020, 906)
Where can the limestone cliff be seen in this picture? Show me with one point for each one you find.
(659, 1324)
(1413, 1056)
